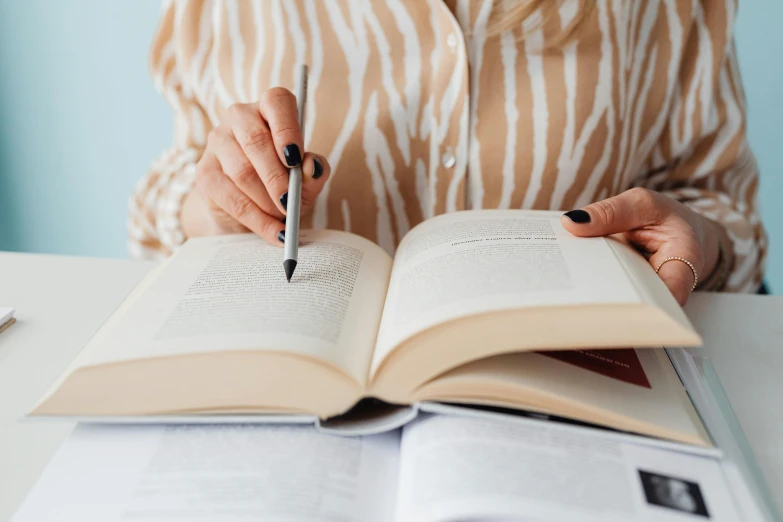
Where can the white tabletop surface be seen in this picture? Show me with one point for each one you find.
(61, 301)
(743, 338)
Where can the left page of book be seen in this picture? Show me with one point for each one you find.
(221, 311)
(230, 293)
(215, 474)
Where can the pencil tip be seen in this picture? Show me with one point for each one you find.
(289, 265)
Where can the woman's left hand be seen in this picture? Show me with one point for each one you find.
(660, 228)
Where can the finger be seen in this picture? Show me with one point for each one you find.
(223, 193)
(676, 275)
(634, 208)
(236, 165)
(278, 107)
(254, 137)
(315, 171)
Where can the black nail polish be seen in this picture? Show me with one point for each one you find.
(578, 216)
(281, 236)
(284, 201)
(292, 155)
(318, 169)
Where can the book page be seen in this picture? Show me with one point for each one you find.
(627, 389)
(454, 468)
(215, 474)
(229, 293)
(474, 262)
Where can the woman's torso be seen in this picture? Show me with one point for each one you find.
(420, 112)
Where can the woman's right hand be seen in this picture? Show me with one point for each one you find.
(242, 177)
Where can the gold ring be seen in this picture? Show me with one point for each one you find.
(690, 265)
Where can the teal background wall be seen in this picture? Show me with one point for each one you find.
(760, 48)
(80, 121)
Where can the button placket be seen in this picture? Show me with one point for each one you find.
(453, 98)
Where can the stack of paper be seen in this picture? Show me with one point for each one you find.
(6, 317)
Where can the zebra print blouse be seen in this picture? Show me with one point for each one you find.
(421, 111)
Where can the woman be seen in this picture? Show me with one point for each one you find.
(631, 113)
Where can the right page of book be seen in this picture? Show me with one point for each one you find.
(474, 262)
(455, 468)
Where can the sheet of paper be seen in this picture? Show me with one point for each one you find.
(468, 263)
(230, 293)
(215, 474)
(6, 314)
(455, 468)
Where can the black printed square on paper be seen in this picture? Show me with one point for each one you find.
(673, 493)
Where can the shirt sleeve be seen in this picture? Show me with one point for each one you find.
(703, 158)
(154, 225)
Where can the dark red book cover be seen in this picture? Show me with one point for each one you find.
(622, 364)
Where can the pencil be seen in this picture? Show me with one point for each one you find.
(291, 245)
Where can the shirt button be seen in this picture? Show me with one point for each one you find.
(448, 160)
(451, 40)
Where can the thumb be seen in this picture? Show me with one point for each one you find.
(634, 208)
(315, 172)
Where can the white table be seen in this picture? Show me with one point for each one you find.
(743, 338)
(61, 302)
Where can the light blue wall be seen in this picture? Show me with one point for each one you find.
(80, 121)
(760, 46)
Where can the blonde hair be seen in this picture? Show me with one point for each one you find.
(511, 18)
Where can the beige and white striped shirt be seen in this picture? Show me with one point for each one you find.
(421, 112)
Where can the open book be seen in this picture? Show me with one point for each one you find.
(453, 318)
(436, 469)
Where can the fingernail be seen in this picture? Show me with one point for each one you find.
(578, 216)
(318, 169)
(284, 201)
(292, 155)
(281, 236)
(283, 220)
